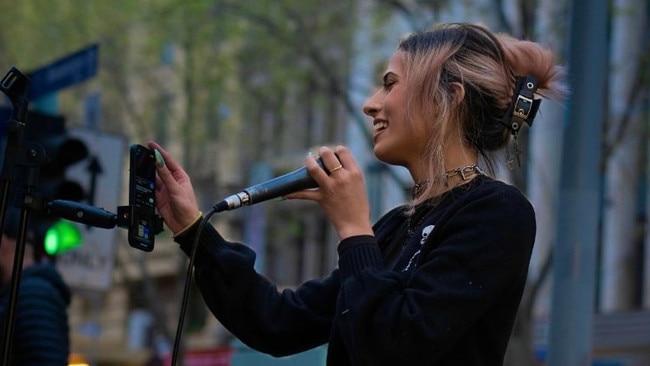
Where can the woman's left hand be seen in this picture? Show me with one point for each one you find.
(341, 194)
(175, 199)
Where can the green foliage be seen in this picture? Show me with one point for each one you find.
(196, 74)
(174, 67)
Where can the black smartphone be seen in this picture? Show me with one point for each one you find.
(142, 197)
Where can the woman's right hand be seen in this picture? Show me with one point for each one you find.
(341, 193)
(175, 199)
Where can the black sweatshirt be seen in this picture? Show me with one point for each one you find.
(447, 294)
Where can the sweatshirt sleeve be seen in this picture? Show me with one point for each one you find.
(474, 263)
(273, 321)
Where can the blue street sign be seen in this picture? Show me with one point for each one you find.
(67, 71)
(92, 110)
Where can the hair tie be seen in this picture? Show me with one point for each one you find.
(524, 106)
(522, 109)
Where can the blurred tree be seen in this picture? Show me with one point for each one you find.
(215, 81)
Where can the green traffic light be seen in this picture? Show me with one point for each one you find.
(61, 237)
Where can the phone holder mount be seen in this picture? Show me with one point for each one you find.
(128, 216)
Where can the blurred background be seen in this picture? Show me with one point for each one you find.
(240, 90)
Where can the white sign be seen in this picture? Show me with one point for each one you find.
(90, 266)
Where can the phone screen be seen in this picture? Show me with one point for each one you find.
(142, 189)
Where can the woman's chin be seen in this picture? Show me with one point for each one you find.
(377, 151)
(382, 155)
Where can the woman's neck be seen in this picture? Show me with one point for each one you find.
(460, 163)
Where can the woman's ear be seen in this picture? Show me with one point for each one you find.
(457, 91)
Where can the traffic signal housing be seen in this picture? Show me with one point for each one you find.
(53, 235)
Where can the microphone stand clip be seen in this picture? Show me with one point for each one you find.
(128, 216)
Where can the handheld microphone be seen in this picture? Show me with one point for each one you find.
(293, 181)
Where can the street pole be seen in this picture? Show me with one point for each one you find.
(579, 206)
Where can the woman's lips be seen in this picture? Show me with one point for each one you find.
(379, 127)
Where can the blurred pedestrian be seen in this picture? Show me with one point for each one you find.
(41, 330)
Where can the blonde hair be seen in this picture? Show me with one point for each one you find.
(486, 65)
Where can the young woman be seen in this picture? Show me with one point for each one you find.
(436, 281)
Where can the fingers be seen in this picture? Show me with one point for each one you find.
(162, 157)
(171, 175)
(337, 164)
(167, 167)
(330, 166)
(336, 160)
(340, 193)
(175, 198)
(345, 157)
(330, 160)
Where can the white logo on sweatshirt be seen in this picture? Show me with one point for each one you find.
(425, 235)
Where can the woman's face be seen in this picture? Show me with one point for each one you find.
(398, 141)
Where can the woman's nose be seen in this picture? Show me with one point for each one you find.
(371, 107)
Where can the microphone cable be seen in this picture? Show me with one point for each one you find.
(297, 179)
(188, 279)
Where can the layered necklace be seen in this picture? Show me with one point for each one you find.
(464, 172)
